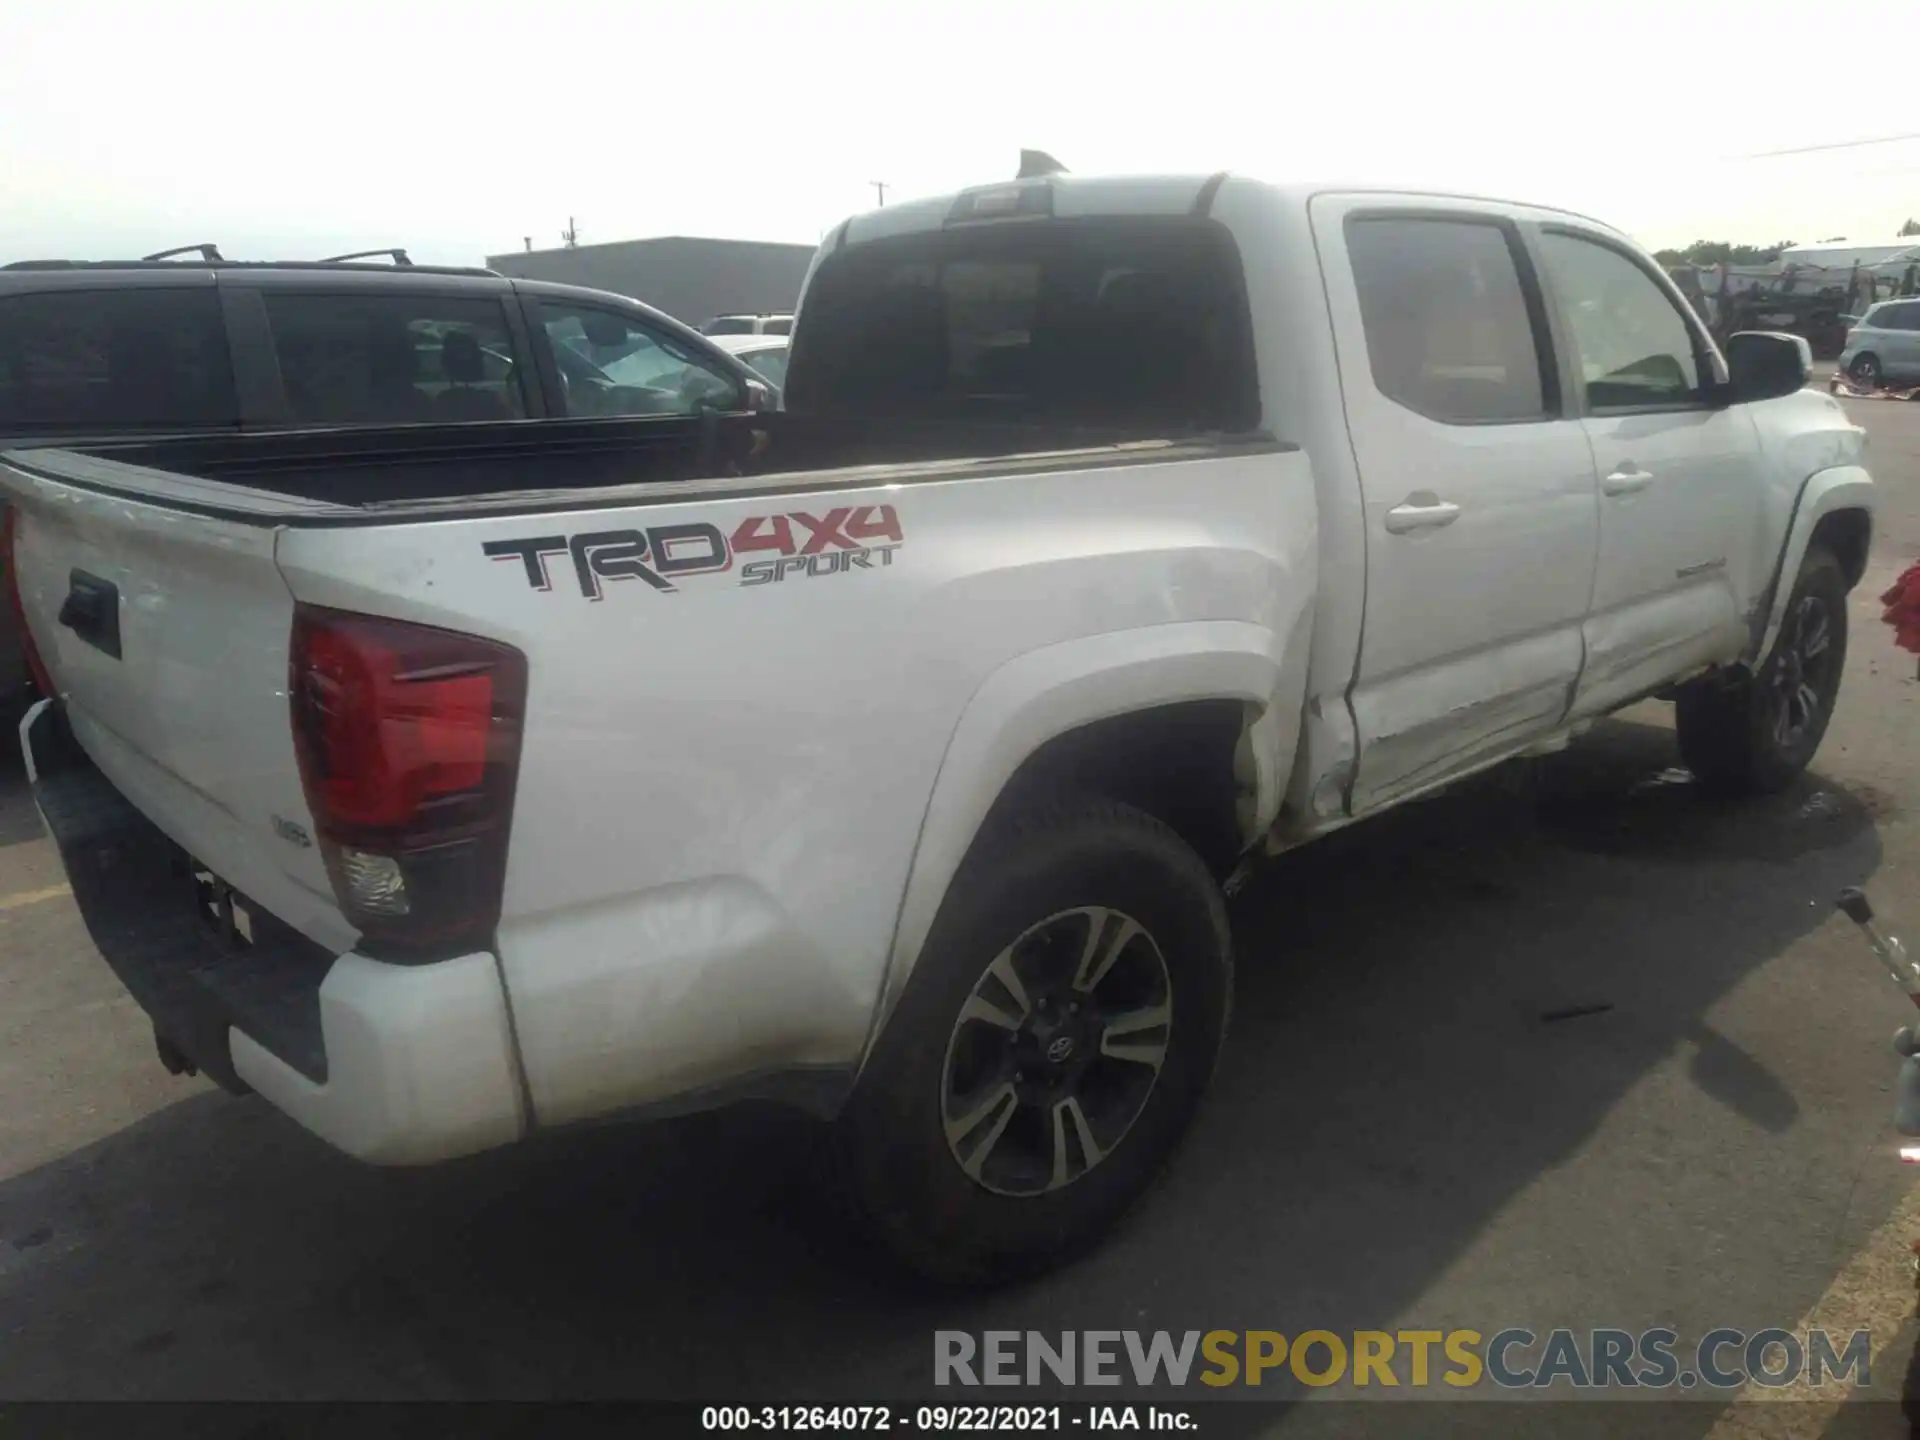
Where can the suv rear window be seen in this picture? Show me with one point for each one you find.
(728, 325)
(130, 358)
(1111, 321)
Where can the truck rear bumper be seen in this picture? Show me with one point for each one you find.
(394, 1064)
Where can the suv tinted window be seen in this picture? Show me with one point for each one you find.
(782, 326)
(610, 365)
(728, 325)
(1132, 322)
(115, 359)
(1895, 317)
(394, 358)
(1632, 345)
(1448, 332)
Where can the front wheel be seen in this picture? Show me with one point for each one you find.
(1058, 1031)
(1756, 735)
(1866, 370)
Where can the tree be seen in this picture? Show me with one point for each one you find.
(1912, 227)
(1707, 253)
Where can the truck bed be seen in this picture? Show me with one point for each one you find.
(435, 468)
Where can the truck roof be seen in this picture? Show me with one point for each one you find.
(1164, 194)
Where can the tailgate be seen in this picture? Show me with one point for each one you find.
(166, 634)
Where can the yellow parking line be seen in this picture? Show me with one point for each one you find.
(1873, 1291)
(33, 897)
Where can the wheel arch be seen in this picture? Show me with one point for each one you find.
(1834, 509)
(1101, 712)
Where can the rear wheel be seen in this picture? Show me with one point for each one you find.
(1756, 735)
(1059, 1029)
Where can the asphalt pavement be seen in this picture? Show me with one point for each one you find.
(1403, 1134)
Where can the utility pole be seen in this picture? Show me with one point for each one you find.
(570, 235)
(880, 188)
(527, 241)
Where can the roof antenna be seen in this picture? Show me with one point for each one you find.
(1036, 163)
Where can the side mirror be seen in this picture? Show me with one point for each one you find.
(1766, 364)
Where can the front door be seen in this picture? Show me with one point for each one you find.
(1680, 486)
(1479, 494)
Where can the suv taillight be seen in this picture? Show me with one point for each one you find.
(35, 666)
(408, 739)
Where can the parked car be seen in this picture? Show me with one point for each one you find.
(92, 350)
(888, 754)
(1883, 347)
(767, 354)
(748, 325)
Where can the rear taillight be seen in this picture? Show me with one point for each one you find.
(35, 665)
(408, 739)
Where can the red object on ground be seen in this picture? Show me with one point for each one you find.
(1901, 610)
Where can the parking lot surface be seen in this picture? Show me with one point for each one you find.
(1399, 1136)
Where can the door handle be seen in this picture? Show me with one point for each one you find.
(1626, 479)
(1421, 512)
(92, 611)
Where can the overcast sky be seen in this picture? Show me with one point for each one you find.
(289, 129)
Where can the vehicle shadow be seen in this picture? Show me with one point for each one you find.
(1435, 1011)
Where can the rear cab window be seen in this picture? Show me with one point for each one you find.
(393, 357)
(132, 357)
(1127, 322)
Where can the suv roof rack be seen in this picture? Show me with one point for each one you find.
(150, 262)
(210, 253)
(397, 255)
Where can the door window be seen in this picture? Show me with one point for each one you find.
(771, 363)
(394, 358)
(1632, 345)
(1448, 331)
(115, 359)
(610, 365)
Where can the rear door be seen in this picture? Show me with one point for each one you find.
(1479, 494)
(1679, 477)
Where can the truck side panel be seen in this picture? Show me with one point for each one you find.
(722, 783)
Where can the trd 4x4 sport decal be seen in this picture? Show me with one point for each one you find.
(805, 545)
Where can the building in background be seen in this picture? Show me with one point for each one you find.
(691, 279)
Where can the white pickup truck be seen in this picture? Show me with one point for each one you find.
(888, 754)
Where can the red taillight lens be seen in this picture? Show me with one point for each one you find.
(408, 739)
(42, 681)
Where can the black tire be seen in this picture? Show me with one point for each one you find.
(1733, 736)
(1040, 880)
(1865, 369)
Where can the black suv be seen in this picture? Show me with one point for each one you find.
(101, 348)
(91, 349)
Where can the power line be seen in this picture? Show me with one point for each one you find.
(1835, 145)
